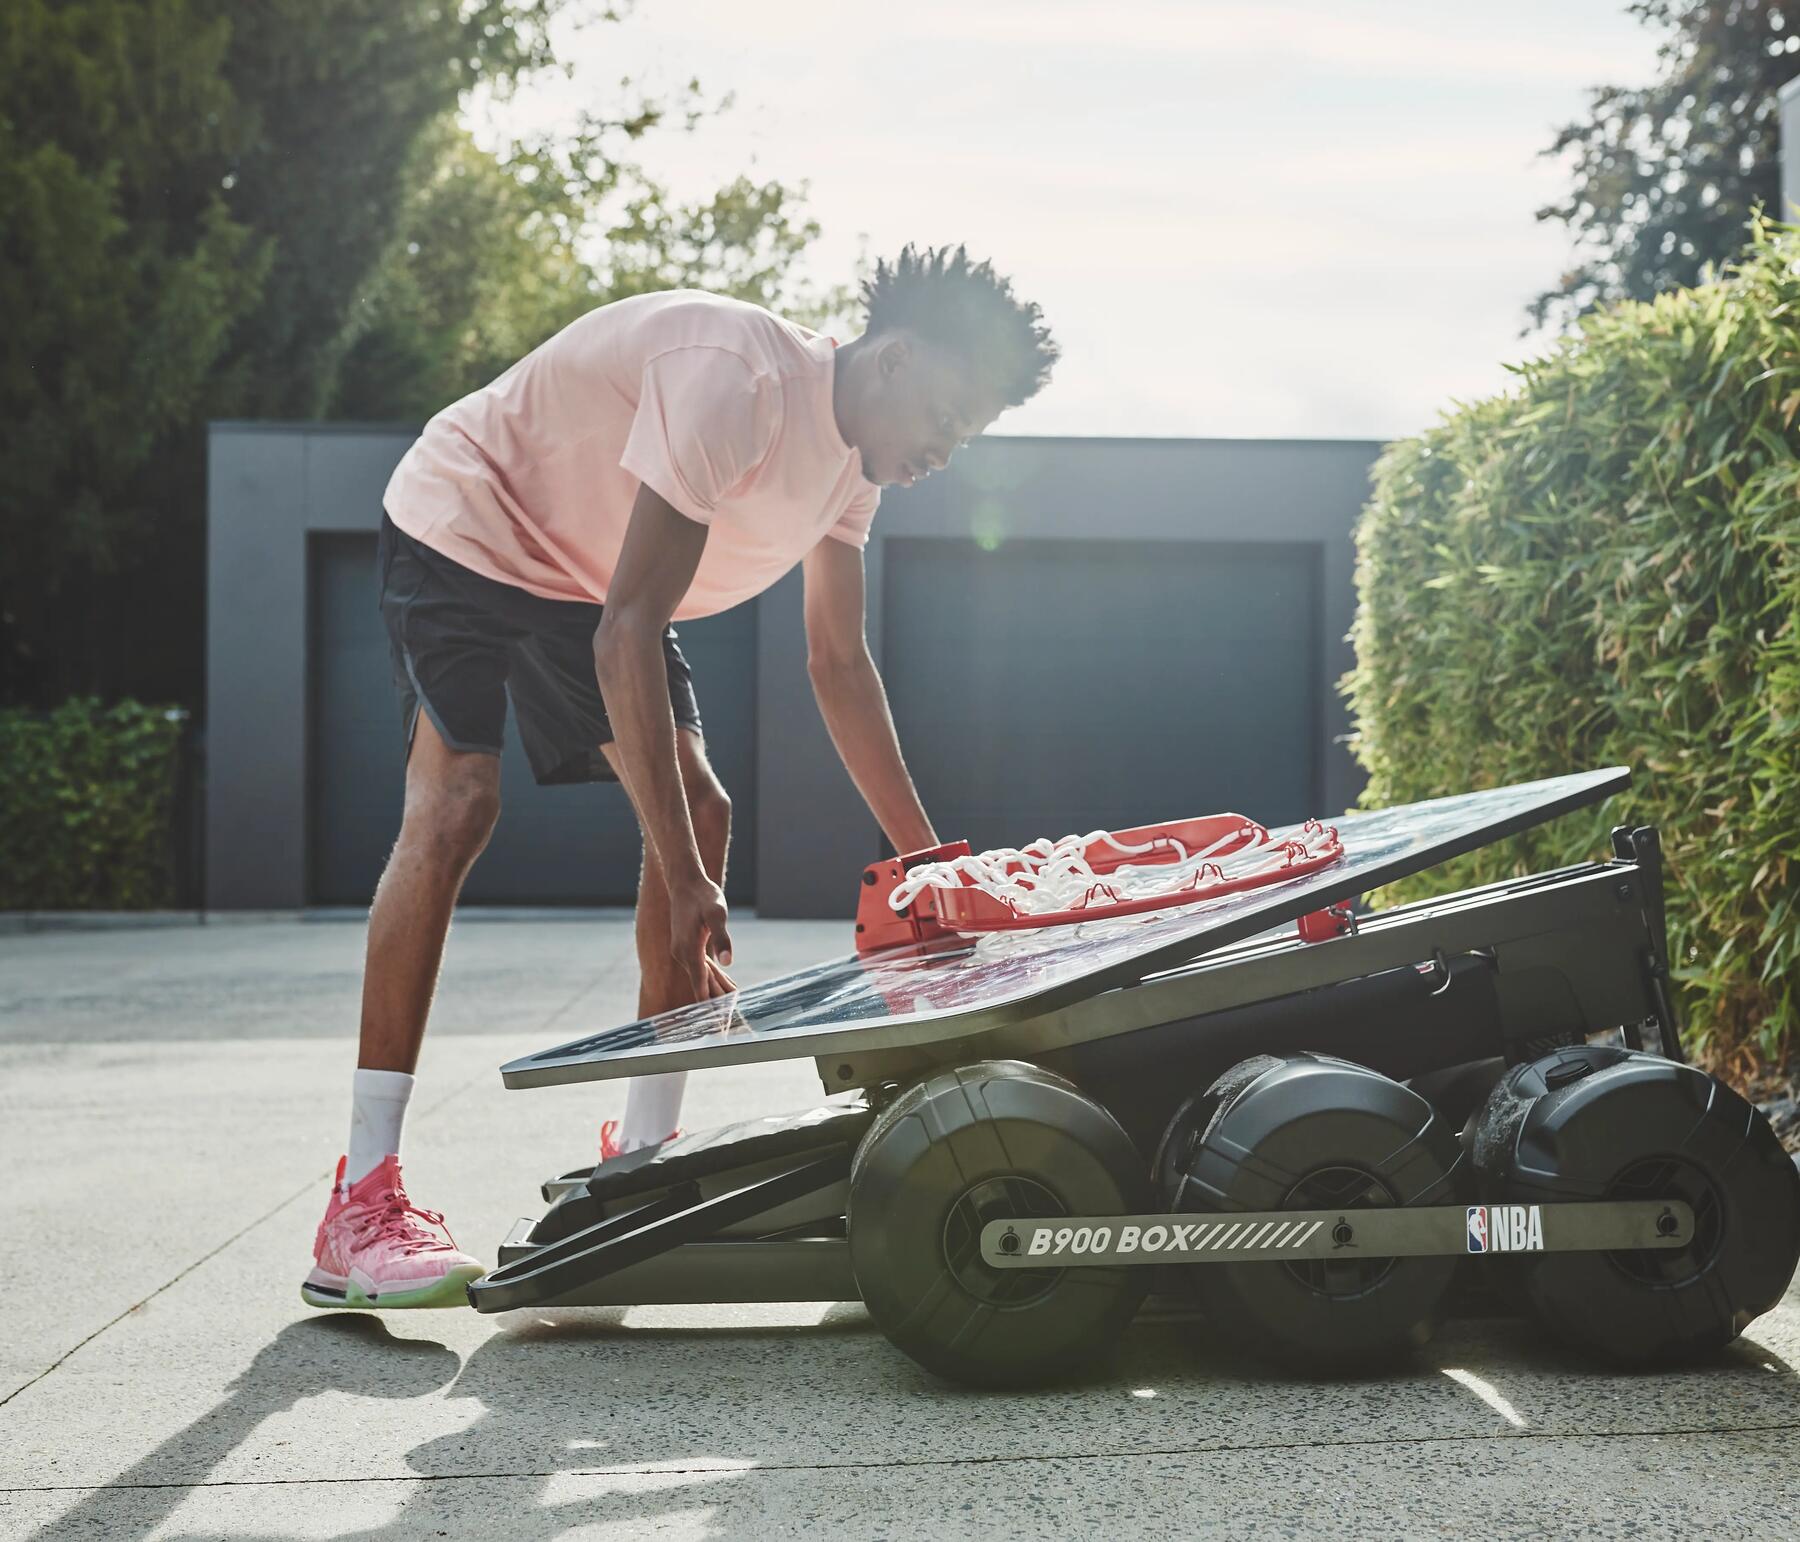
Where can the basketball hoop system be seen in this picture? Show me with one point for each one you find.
(1111, 873)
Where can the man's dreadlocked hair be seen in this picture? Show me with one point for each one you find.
(966, 306)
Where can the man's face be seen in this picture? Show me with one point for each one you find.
(926, 406)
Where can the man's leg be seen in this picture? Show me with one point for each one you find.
(452, 801)
(373, 1247)
(452, 804)
(653, 1103)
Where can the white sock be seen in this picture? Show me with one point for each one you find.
(652, 1110)
(377, 1111)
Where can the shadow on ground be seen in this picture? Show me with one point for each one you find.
(683, 1416)
(353, 1353)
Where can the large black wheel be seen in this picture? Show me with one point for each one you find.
(999, 1139)
(1308, 1132)
(1596, 1122)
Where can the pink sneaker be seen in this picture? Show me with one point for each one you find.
(376, 1248)
(609, 1140)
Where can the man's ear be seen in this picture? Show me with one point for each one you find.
(895, 355)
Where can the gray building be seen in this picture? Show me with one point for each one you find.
(1789, 98)
(1075, 633)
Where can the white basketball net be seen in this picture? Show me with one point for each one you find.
(1048, 876)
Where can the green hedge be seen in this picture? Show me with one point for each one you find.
(1603, 565)
(87, 795)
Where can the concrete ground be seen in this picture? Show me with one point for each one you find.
(172, 1100)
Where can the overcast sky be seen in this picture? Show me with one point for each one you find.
(1259, 218)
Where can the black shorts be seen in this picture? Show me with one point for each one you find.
(463, 643)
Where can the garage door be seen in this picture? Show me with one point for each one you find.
(1048, 687)
(555, 845)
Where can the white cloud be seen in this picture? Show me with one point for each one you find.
(1388, 39)
(1286, 218)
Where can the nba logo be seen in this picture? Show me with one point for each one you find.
(1478, 1236)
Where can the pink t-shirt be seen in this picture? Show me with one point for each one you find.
(721, 407)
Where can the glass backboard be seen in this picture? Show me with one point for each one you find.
(911, 996)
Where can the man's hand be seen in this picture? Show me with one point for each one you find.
(698, 940)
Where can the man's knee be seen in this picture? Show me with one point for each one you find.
(450, 820)
(709, 807)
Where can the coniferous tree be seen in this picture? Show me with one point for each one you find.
(1666, 176)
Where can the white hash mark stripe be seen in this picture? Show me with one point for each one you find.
(1303, 1235)
(1487, 1393)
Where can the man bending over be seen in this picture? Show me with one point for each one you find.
(662, 458)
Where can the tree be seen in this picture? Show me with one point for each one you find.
(1666, 176)
(482, 268)
(744, 241)
(206, 209)
(185, 200)
(337, 97)
(121, 279)
(496, 252)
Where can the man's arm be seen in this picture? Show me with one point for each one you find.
(851, 698)
(656, 563)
